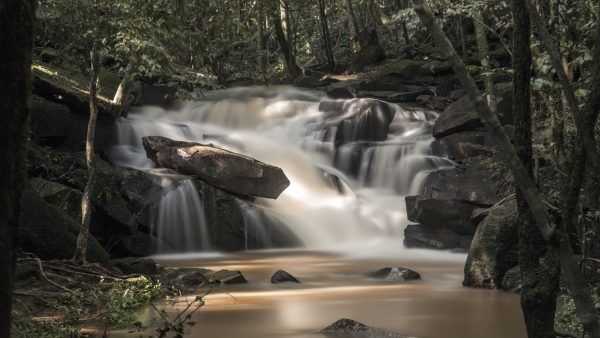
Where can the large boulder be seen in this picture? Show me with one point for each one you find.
(224, 169)
(142, 190)
(54, 125)
(357, 120)
(447, 214)
(493, 249)
(51, 233)
(476, 186)
(65, 198)
(461, 115)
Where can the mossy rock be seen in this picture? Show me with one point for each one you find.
(494, 248)
(51, 233)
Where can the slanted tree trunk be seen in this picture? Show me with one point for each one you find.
(326, 37)
(539, 281)
(484, 56)
(557, 237)
(17, 24)
(88, 193)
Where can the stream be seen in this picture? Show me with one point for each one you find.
(345, 204)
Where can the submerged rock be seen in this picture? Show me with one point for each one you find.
(494, 248)
(227, 170)
(395, 274)
(281, 276)
(351, 328)
(225, 277)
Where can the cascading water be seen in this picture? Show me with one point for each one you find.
(338, 195)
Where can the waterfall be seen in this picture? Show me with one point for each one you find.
(338, 194)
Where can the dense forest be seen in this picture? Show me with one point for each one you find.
(137, 133)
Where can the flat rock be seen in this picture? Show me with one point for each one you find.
(395, 274)
(351, 328)
(281, 276)
(223, 169)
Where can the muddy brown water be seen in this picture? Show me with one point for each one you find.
(334, 286)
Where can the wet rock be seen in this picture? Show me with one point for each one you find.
(224, 169)
(281, 276)
(512, 280)
(351, 328)
(475, 186)
(51, 233)
(428, 237)
(408, 94)
(142, 266)
(460, 146)
(189, 278)
(339, 93)
(358, 120)
(441, 214)
(226, 277)
(142, 190)
(493, 250)
(395, 274)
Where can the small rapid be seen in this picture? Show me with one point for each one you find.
(343, 191)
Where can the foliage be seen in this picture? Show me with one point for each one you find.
(115, 305)
(567, 318)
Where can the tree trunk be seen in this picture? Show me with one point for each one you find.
(88, 193)
(291, 69)
(484, 56)
(260, 38)
(556, 237)
(120, 101)
(326, 38)
(539, 281)
(17, 22)
(354, 25)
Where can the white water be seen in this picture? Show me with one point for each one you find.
(283, 126)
